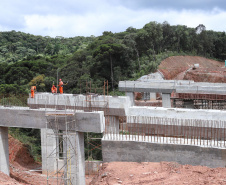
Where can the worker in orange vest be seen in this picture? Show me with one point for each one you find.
(61, 83)
(33, 89)
(54, 89)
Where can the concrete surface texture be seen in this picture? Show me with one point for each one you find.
(133, 151)
(166, 102)
(179, 113)
(4, 150)
(115, 105)
(45, 119)
(49, 151)
(178, 86)
(36, 118)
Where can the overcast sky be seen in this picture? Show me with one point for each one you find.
(70, 18)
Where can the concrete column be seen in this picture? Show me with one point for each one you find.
(166, 102)
(152, 96)
(131, 97)
(4, 150)
(49, 149)
(80, 158)
(74, 156)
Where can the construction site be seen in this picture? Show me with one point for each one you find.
(169, 128)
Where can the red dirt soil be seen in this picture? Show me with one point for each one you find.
(158, 173)
(177, 67)
(20, 165)
(113, 173)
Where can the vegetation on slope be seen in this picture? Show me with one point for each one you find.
(27, 59)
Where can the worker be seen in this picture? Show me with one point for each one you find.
(33, 89)
(61, 83)
(54, 89)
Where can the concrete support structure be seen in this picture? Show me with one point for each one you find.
(49, 122)
(4, 150)
(152, 96)
(80, 178)
(74, 158)
(166, 102)
(133, 151)
(49, 149)
(131, 97)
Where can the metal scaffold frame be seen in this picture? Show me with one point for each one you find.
(64, 153)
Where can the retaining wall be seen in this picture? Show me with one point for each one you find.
(133, 151)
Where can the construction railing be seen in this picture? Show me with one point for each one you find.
(206, 133)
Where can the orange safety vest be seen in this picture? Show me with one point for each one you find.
(54, 89)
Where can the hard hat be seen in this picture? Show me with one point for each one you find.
(59, 79)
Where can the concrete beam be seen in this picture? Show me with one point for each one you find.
(37, 118)
(167, 86)
(136, 86)
(4, 150)
(115, 105)
(179, 113)
(200, 89)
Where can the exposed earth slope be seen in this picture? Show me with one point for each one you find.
(182, 68)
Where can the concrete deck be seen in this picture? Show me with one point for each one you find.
(37, 118)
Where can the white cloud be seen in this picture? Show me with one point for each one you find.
(85, 18)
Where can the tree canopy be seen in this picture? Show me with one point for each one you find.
(111, 56)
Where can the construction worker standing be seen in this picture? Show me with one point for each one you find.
(54, 89)
(61, 83)
(33, 89)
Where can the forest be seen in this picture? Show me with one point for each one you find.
(27, 60)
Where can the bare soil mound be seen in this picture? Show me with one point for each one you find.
(158, 173)
(178, 67)
(6, 180)
(23, 168)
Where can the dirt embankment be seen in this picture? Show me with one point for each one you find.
(22, 167)
(181, 68)
(158, 173)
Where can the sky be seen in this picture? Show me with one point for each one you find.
(70, 18)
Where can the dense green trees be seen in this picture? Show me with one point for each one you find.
(27, 60)
(111, 56)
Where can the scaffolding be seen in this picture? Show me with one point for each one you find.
(61, 127)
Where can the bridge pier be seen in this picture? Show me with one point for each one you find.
(49, 150)
(4, 150)
(166, 102)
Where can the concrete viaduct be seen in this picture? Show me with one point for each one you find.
(38, 119)
(89, 117)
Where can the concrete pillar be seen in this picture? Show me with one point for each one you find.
(49, 149)
(4, 150)
(74, 156)
(80, 177)
(131, 97)
(166, 102)
(152, 96)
